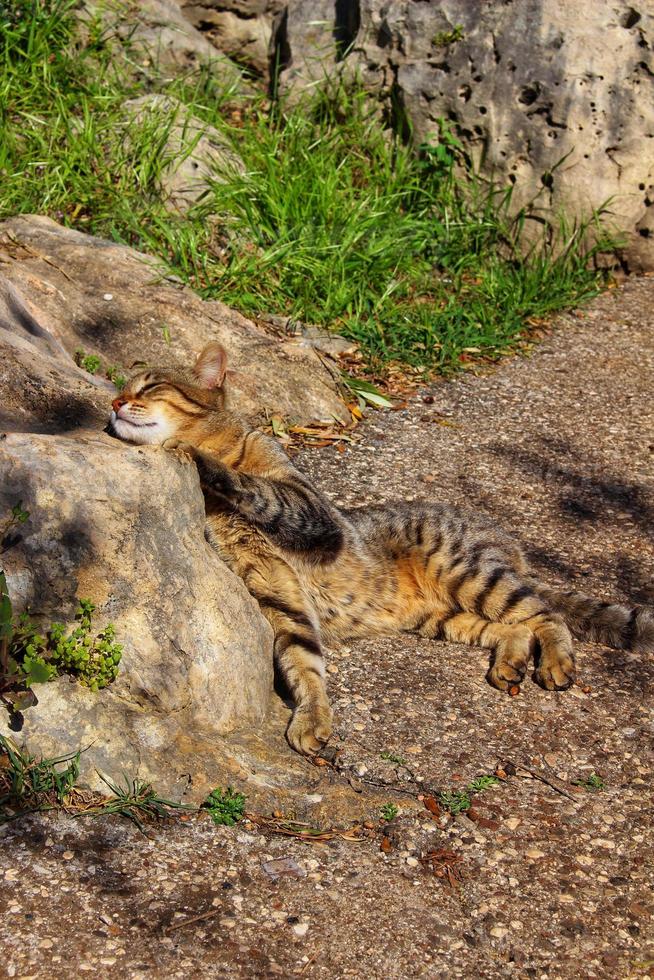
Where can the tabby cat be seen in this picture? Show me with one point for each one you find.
(323, 573)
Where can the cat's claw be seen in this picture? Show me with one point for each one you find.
(310, 729)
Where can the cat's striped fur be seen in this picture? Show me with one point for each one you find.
(320, 572)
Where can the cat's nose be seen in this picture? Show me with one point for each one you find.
(117, 403)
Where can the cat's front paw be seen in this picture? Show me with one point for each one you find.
(310, 728)
(181, 446)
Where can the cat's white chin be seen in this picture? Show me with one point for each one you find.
(143, 433)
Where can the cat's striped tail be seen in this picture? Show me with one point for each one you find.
(614, 624)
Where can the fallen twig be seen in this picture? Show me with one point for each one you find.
(555, 785)
(194, 918)
(304, 831)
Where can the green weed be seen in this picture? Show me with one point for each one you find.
(332, 221)
(40, 657)
(28, 784)
(135, 800)
(28, 657)
(389, 812)
(391, 757)
(93, 364)
(225, 806)
(114, 374)
(88, 362)
(460, 800)
(443, 38)
(592, 783)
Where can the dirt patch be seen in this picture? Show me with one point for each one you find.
(548, 878)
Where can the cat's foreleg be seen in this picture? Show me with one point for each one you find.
(296, 633)
(288, 510)
(299, 658)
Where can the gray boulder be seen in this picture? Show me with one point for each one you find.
(123, 526)
(162, 40)
(241, 29)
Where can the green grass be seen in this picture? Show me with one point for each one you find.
(334, 221)
(28, 784)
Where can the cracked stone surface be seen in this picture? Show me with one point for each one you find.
(542, 877)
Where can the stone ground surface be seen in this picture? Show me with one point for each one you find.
(549, 879)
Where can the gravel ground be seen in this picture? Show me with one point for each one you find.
(543, 877)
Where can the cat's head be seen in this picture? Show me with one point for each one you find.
(158, 404)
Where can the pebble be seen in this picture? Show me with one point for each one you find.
(535, 854)
(108, 296)
(499, 932)
(300, 929)
(512, 823)
(68, 855)
(584, 859)
(412, 862)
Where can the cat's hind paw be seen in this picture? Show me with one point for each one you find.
(556, 674)
(310, 728)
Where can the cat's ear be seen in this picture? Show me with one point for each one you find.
(211, 366)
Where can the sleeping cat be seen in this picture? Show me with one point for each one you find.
(320, 572)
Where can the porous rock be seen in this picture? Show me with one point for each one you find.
(541, 94)
(124, 526)
(241, 29)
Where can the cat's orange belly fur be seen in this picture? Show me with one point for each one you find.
(358, 598)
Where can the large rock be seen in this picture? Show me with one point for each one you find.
(541, 94)
(65, 290)
(124, 527)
